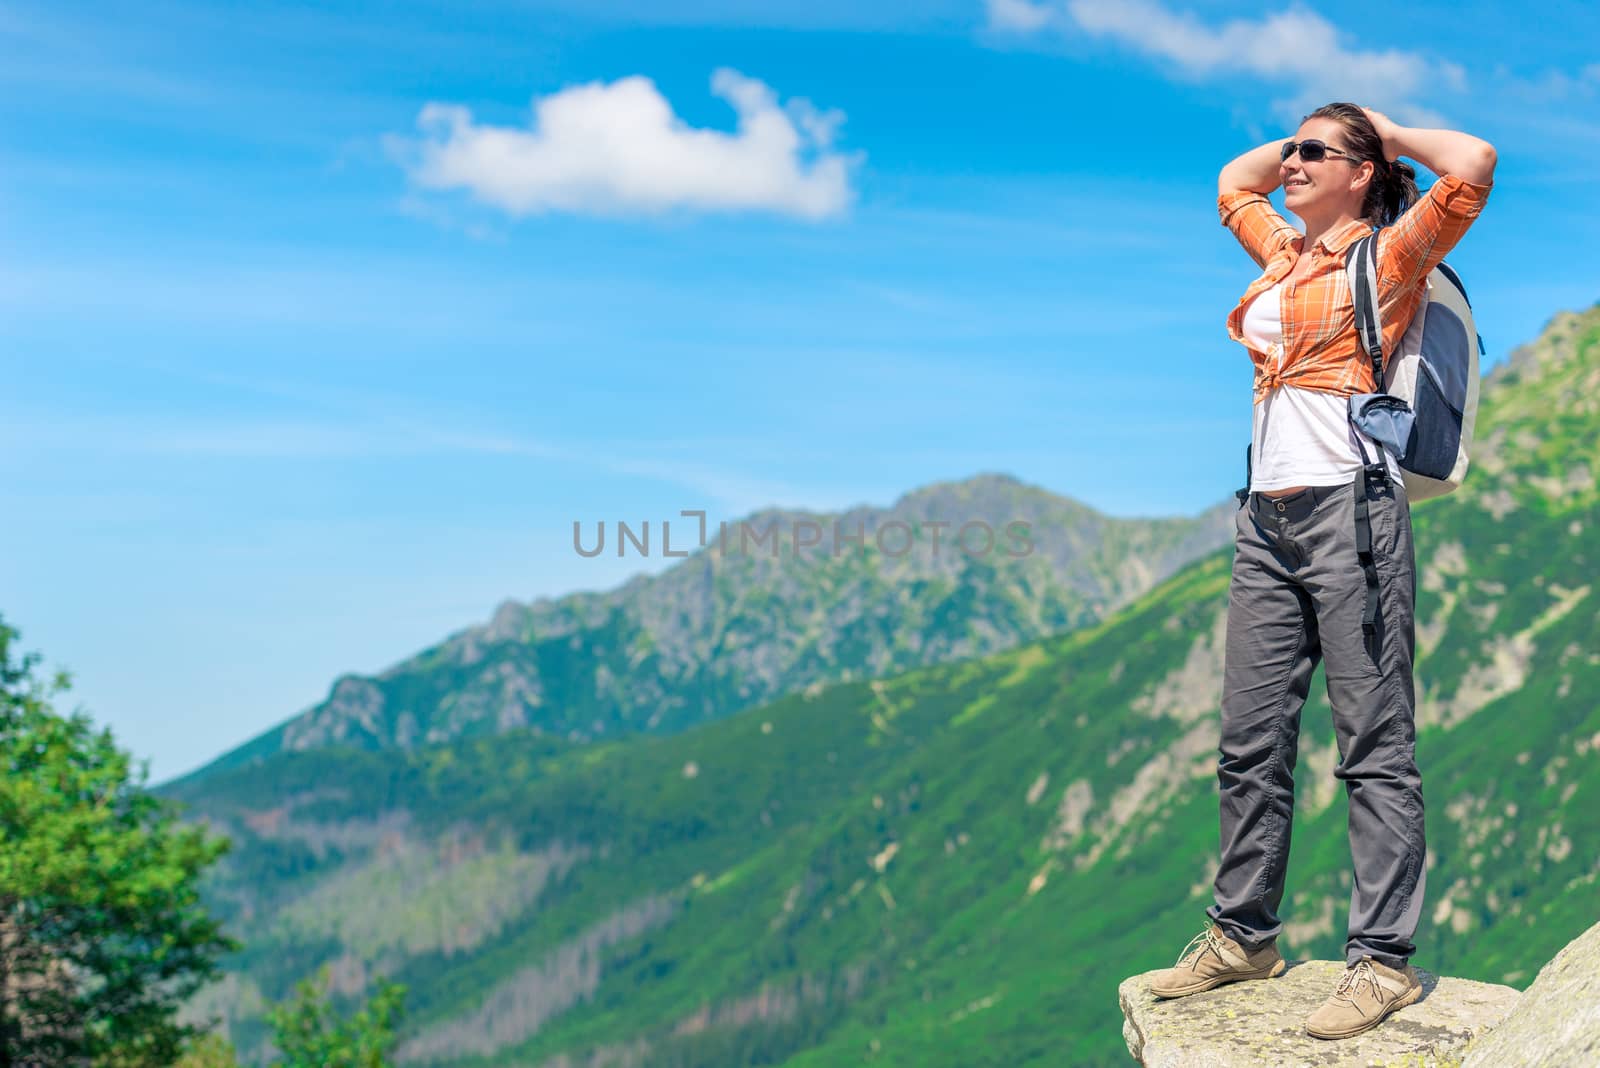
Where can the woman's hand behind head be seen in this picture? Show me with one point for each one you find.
(1385, 127)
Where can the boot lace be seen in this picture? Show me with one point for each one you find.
(1205, 941)
(1350, 982)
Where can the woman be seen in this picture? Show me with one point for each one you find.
(1299, 588)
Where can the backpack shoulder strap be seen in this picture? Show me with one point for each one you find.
(1361, 268)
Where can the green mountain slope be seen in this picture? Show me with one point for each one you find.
(955, 865)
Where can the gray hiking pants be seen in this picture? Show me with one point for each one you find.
(1297, 596)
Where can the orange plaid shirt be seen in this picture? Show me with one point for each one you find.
(1321, 346)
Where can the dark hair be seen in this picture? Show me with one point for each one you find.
(1393, 188)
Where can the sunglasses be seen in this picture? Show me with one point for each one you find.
(1313, 151)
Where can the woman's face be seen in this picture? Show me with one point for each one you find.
(1324, 187)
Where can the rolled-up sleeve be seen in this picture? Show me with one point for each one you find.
(1417, 241)
(1261, 230)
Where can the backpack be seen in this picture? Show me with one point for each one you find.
(1428, 402)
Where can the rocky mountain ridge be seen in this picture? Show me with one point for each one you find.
(747, 619)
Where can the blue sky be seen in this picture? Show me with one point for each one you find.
(315, 345)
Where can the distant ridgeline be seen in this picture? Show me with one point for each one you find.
(956, 856)
(745, 621)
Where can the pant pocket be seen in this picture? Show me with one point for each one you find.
(1390, 516)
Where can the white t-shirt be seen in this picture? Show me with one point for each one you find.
(1299, 437)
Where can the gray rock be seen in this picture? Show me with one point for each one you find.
(1557, 1019)
(1262, 1022)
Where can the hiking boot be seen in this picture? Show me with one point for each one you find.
(1212, 958)
(1367, 992)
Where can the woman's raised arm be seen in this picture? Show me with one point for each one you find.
(1443, 152)
(1429, 229)
(1255, 171)
(1242, 203)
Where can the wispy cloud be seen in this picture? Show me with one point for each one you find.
(1551, 85)
(1023, 15)
(1297, 48)
(372, 435)
(619, 148)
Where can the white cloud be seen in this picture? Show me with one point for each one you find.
(1549, 86)
(619, 148)
(1297, 47)
(1018, 15)
(367, 436)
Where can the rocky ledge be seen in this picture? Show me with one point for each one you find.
(1557, 1019)
(1458, 1023)
(1262, 1022)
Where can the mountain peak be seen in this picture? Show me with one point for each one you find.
(1560, 341)
(951, 570)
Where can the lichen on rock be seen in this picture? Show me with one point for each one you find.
(1262, 1022)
